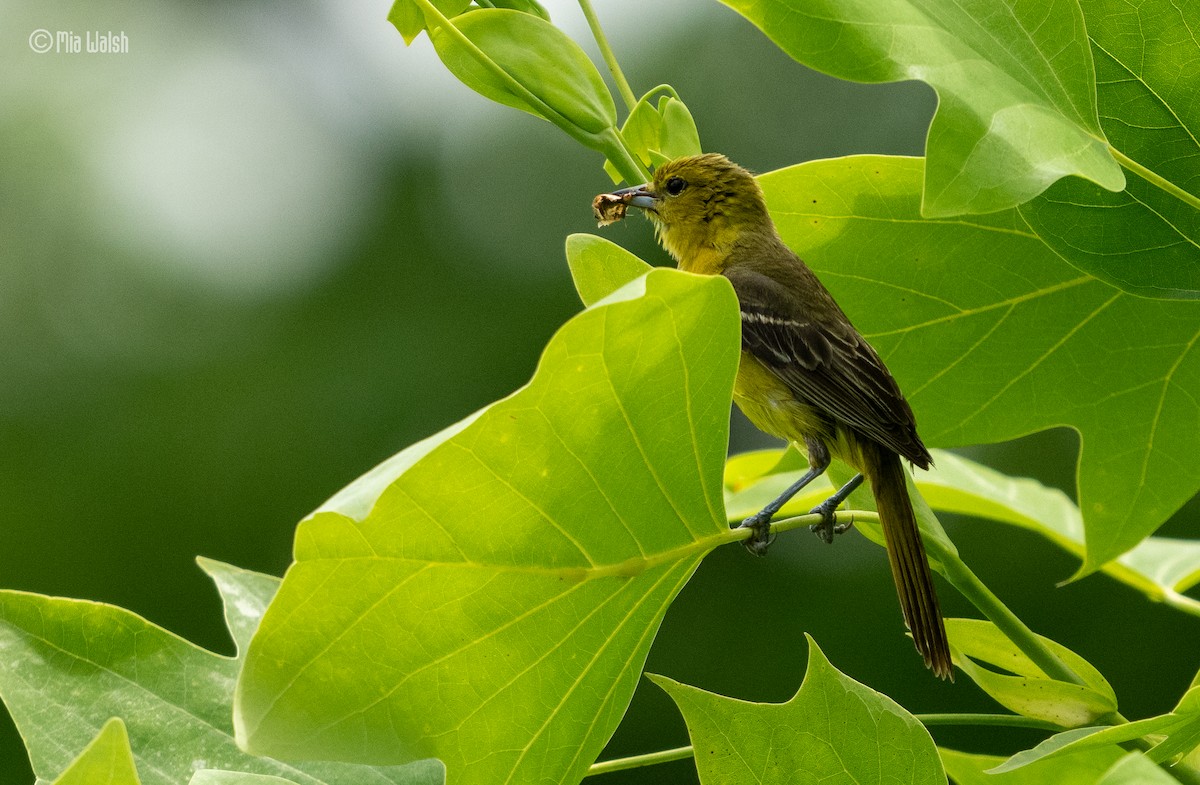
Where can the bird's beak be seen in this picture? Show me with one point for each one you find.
(638, 196)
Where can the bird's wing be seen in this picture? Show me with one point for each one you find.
(828, 366)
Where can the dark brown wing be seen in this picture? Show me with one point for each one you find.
(825, 362)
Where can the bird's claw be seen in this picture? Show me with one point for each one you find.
(761, 539)
(828, 527)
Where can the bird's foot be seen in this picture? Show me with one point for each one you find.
(828, 527)
(761, 539)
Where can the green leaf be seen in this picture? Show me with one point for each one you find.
(495, 606)
(1176, 732)
(1029, 691)
(991, 336)
(409, 19)
(600, 267)
(1145, 239)
(834, 729)
(217, 777)
(678, 136)
(1016, 88)
(1081, 768)
(107, 760)
(658, 134)
(1136, 769)
(535, 54)
(525, 6)
(245, 596)
(71, 665)
(1159, 567)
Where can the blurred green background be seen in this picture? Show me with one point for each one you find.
(269, 247)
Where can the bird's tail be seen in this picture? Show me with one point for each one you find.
(910, 568)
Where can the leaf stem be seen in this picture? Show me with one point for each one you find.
(617, 151)
(637, 761)
(1001, 720)
(1154, 177)
(610, 59)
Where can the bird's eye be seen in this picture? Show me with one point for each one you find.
(676, 185)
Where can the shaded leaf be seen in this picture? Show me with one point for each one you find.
(505, 588)
(537, 55)
(1016, 93)
(1176, 730)
(107, 760)
(1081, 768)
(1029, 691)
(71, 665)
(834, 729)
(409, 19)
(1144, 239)
(1161, 568)
(991, 336)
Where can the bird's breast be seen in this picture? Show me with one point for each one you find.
(770, 405)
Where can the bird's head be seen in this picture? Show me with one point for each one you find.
(700, 205)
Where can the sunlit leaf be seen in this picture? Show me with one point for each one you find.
(658, 133)
(991, 336)
(245, 595)
(834, 729)
(1016, 93)
(600, 267)
(106, 761)
(526, 6)
(1136, 769)
(505, 587)
(537, 55)
(216, 777)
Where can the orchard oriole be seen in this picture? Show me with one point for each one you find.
(806, 374)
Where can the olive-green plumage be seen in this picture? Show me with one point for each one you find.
(806, 374)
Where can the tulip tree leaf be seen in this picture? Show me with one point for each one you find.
(1028, 690)
(600, 267)
(107, 760)
(657, 134)
(218, 777)
(1081, 768)
(1144, 239)
(407, 16)
(1016, 87)
(1175, 734)
(992, 336)
(505, 587)
(69, 666)
(1136, 769)
(537, 55)
(1162, 568)
(834, 729)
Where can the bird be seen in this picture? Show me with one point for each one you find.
(806, 374)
